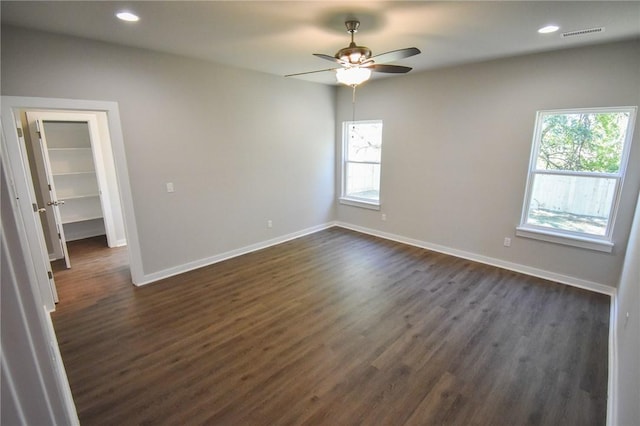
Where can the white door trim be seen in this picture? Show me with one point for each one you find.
(12, 104)
(97, 145)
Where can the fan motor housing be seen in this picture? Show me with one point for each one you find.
(353, 54)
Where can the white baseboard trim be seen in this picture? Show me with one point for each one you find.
(169, 272)
(120, 243)
(527, 270)
(62, 380)
(612, 385)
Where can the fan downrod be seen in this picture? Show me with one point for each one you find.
(353, 54)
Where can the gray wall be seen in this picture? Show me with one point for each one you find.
(240, 147)
(628, 332)
(456, 147)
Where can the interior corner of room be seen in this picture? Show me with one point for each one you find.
(188, 163)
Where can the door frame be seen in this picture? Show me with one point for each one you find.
(23, 185)
(104, 166)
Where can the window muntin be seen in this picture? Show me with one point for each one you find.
(362, 148)
(576, 170)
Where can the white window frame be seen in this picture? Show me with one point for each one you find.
(349, 199)
(577, 239)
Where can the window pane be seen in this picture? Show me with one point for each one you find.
(363, 181)
(364, 141)
(571, 203)
(589, 142)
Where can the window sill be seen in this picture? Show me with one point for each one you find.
(371, 205)
(569, 240)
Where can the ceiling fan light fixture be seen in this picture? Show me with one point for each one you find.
(353, 76)
(357, 62)
(355, 57)
(353, 54)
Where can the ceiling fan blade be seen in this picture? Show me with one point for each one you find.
(395, 55)
(393, 69)
(329, 58)
(310, 72)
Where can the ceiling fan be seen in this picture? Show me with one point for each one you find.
(356, 62)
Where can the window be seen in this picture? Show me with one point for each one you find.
(577, 165)
(361, 149)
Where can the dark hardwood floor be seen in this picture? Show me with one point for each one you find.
(335, 328)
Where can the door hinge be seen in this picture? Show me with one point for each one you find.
(19, 132)
(59, 236)
(50, 275)
(49, 187)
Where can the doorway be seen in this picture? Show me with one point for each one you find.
(26, 203)
(74, 178)
(29, 237)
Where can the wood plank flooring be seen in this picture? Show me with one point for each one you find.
(335, 328)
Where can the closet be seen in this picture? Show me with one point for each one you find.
(73, 173)
(76, 193)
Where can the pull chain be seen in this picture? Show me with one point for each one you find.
(353, 104)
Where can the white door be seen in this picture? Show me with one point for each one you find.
(37, 210)
(55, 203)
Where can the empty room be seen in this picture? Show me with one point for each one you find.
(320, 213)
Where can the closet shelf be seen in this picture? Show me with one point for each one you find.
(78, 197)
(89, 172)
(67, 220)
(79, 149)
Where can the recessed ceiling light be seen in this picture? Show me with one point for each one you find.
(128, 16)
(549, 29)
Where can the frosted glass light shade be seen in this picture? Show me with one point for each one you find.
(353, 76)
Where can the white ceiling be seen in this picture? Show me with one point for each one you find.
(279, 37)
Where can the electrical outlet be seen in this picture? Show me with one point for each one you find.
(170, 187)
(384, 216)
(507, 242)
(269, 224)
